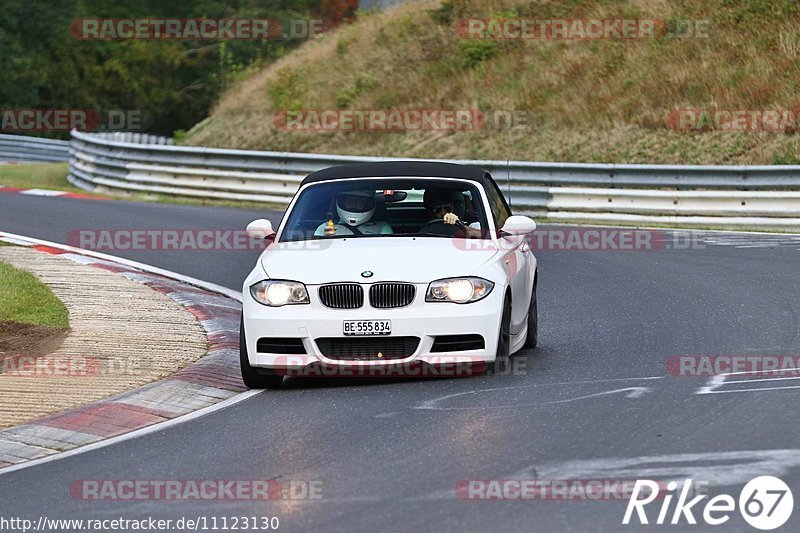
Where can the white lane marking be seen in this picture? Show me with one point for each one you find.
(43, 192)
(726, 468)
(635, 392)
(760, 379)
(213, 287)
(720, 380)
(134, 434)
(759, 389)
(718, 469)
(713, 383)
(679, 230)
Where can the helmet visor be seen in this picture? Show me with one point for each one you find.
(356, 202)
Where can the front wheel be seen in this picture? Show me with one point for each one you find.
(533, 323)
(503, 342)
(253, 377)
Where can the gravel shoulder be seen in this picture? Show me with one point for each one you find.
(122, 335)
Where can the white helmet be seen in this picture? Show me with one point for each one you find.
(355, 207)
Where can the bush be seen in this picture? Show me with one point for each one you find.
(288, 90)
(444, 14)
(474, 52)
(785, 159)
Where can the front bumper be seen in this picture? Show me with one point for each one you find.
(420, 319)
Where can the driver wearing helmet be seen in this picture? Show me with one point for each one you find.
(449, 206)
(355, 210)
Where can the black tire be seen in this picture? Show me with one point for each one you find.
(532, 338)
(253, 377)
(503, 354)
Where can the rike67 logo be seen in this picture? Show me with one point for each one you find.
(765, 503)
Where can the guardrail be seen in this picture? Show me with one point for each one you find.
(32, 149)
(733, 197)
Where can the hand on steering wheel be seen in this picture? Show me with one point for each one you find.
(441, 226)
(451, 218)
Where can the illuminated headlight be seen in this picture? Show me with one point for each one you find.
(276, 293)
(458, 290)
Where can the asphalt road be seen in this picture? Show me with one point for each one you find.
(594, 401)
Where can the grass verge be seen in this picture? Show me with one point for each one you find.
(54, 176)
(26, 300)
(37, 176)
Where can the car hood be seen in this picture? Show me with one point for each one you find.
(415, 260)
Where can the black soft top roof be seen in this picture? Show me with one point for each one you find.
(401, 169)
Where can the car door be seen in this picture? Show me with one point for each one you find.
(517, 259)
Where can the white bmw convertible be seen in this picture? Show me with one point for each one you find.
(383, 264)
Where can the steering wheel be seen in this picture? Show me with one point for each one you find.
(438, 226)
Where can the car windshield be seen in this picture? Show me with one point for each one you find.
(387, 207)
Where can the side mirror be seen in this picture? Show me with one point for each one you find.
(518, 225)
(260, 229)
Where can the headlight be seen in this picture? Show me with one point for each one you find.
(275, 292)
(458, 290)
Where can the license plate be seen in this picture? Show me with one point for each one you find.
(367, 327)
